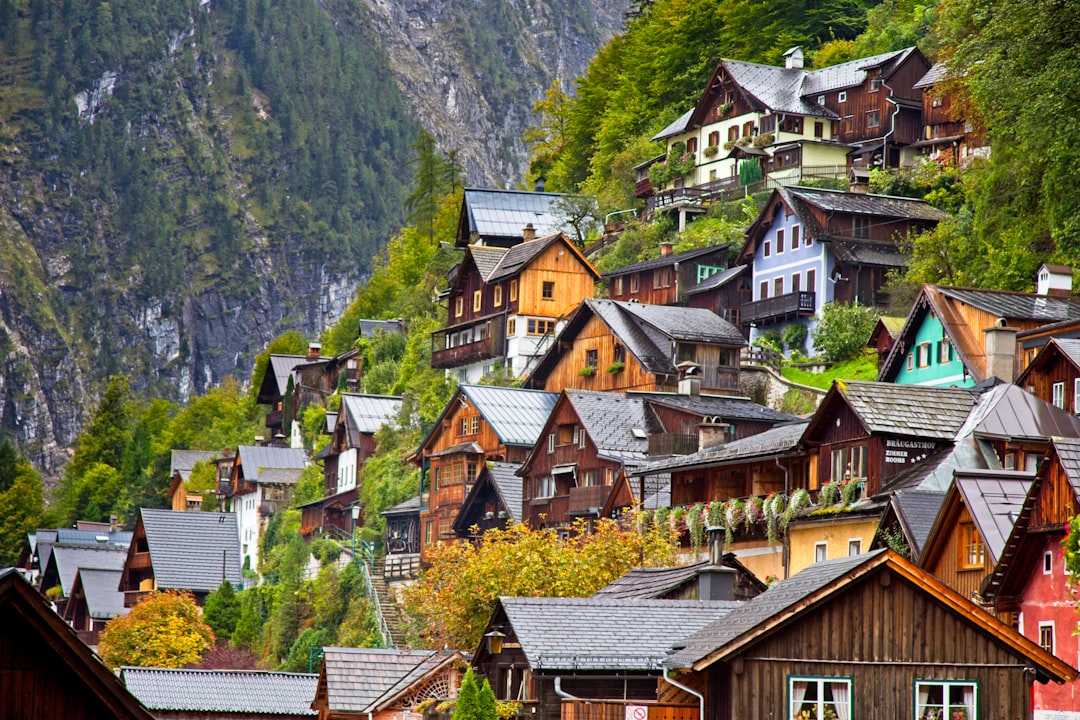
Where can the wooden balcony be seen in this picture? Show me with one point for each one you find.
(463, 354)
(661, 444)
(553, 509)
(779, 308)
(588, 500)
(490, 346)
(273, 419)
(617, 710)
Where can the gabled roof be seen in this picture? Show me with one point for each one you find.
(717, 280)
(800, 595)
(611, 419)
(1066, 348)
(503, 214)
(278, 371)
(677, 126)
(67, 560)
(664, 261)
(485, 257)
(994, 499)
(778, 440)
(29, 621)
(726, 407)
(603, 634)
(518, 257)
(253, 457)
(192, 551)
(853, 72)
(503, 481)
(684, 323)
(890, 206)
(367, 413)
(246, 692)
(776, 88)
(937, 72)
(1068, 452)
(517, 416)
(363, 680)
(412, 505)
(101, 588)
(912, 410)
(184, 460)
(655, 583)
(916, 512)
(1016, 305)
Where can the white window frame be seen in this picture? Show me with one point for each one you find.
(581, 438)
(925, 711)
(545, 487)
(910, 362)
(1047, 625)
(856, 544)
(944, 351)
(820, 682)
(551, 443)
(1058, 394)
(1048, 562)
(821, 549)
(841, 96)
(1076, 395)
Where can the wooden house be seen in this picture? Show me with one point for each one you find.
(975, 520)
(620, 346)
(402, 538)
(187, 694)
(95, 600)
(505, 306)
(46, 672)
(884, 336)
(948, 138)
(480, 423)
(180, 468)
(794, 122)
(262, 482)
(383, 684)
(541, 650)
(494, 502)
(809, 247)
(909, 517)
(1030, 583)
(1054, 374)
(352, 442)
(275, 385)
(868, 637)
(57, 580)
(963, 336)
(36, 551)
(724, 293)
(665, 280)
(194, 552)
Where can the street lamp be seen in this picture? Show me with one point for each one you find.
(355, 518)
(494, 641)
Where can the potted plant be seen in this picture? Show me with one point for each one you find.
(711, 151)
(723, 109)
(616, 367)
(587, 371)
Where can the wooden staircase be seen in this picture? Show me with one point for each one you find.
(393, 614)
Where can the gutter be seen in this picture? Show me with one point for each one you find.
(892, 126)
(680, 686)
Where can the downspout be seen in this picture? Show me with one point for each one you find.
(892, 126)
(786, 559)
(684, 688)
(562, 693)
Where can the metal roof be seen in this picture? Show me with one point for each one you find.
(505, 213)
(368, 413)
(1017, 305)
(254, 457)
(517, 416)
(1012, 413)
(104, 600)
(282, 366)
(665, 260)
(184, 461)
(726, 407)
(246, 692)
(509, 486)
(69, 558)
(600, 633)
(994, 502)
(358, 678)
(194, 551)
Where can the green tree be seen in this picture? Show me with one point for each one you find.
(468, 700)
(164, 630)
(843, 330)
(290, 342)
(222, 610)
(22, 508)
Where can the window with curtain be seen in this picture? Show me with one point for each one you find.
(946, 700)
(820, 698)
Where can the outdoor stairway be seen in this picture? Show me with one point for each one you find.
(393, 614)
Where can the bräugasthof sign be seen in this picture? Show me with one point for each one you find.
(911, 444)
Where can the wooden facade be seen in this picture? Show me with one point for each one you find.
(955, 553)
(1053, 377)
(948, 137)
(725, 300)
(665, 281)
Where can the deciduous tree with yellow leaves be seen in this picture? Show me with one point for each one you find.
(164, 630)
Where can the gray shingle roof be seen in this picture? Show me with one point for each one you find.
(358, 678)
(69, 558)
(649, 583)
(717, 280)
(867, 204)
(517, 416)
(104, 600)
(776, 440)
(509, 486)
(935, 74)
(282, 366)
(517, 257)
(192, 551)
(851, 73)
(253, 457)
(917, 410)
(246, 692)
(677, 126)
(644, 342)
(1069, 348)
(685, 323)
(505, 213)
(763, 607)
(368, 413)
(725, 406)
(1068, 450)
(664, 261)
(486, 258)
(777, 88)
(411, 505)
(1016, 305)
(994, 502)
(605, 634)
(610, 420)
(917, 512)
(184, 461)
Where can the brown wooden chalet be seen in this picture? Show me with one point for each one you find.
(181, 465)
(948, 136)
(666, 279)
(724, 293)
(480, 423)
(46, 672)
(1054, 374)
(195, 694)
(1031, 580)
(276, 384)
(969, 535)
(503, 304)
(494, 502)
(884, 336)
(620, 346)
(95, 600)
(869, 636)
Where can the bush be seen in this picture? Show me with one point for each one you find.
(843, 331)
(794, 338)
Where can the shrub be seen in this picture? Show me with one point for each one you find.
(794, 338)
(843, 331)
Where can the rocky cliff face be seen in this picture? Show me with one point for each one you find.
(92, 284)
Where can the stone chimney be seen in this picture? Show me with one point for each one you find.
(529, 233)
(716, 582)
(314, 350)
(793, 58)
(711, 434)
(1055, 280)
(666, 248)
(689, 378)
(540, 182)
(1000, 348)
(114, 523)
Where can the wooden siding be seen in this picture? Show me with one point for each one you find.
(573, 283)
(597, 336)
(616, 710)
(1056, 502)
(946, 565)
(755, 477)
(681, 276)
(904, 635)
(726, 301)
(1059, 369)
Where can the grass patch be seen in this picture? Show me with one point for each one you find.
(861, 368)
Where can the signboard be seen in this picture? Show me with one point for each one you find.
(637, 712)
(908, 452)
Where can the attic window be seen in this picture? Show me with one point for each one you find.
(972, 550)
(842, 96)
(640, 433)
(548, 292)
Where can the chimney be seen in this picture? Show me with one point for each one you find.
(540, 182)
(1055, 280)
(666, 248)
(314, 350)
(859, 180)
(529, 233)
(716, 582)
(793, 58)
(689, 378)
(1000, 347)
(114, 523)
(711, 434)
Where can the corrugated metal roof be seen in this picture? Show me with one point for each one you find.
(994, 501)
(517, 416)
(104, 600)
(246, 692)
(604, 634)
(357, 678)
(69, 558)
(282, 366)
(253, 457)
(1012, 413)
(192, 551)
(505, 213)
(1016, 305)
(368, 413)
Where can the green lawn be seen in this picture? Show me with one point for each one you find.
(863, 368)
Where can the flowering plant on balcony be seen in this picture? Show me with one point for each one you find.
(711, 151)
(678, 163)
(695, 524)
(764, 140)
(587, 371)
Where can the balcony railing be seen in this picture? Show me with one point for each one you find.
(796, 304)
(588, 499)
(479, 348)
(672, 444)
(729, 187)
(463, 354)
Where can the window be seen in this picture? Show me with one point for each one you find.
(935, 100)
(910, 362)
(691, 145)
(819, 697)
(472, 471)
(661, 278)
(477, 298)
(429, 531)
(849, 123)
(1076, 395)
(924, 354)
(551, 443)
(861, 227)
(854, 547)
(545, 487)
(590, 478)
(972, 550)
(540, 326)
(714, 138)
(685, 352)
(1058, 394)
(581, 438)
(937, 700)
(511, 327)
(763, 291)
(873, 118)
(819, 129)
(1010, 461)
(459, 306)
(778, 286)
(820, 99)
(795, 287)
(1048, 563)
(619, 285)
(875, 84)
(766, 248)
(944, 351)
(591, 358)
(821, 552)
(634, 283)
(786, 159)
(796, 232)
(498, 295)
(463, 427)
(811, 279)
(779, 241)
(435, 478)
(474, 425)
(1046, 636)
(513, 290)
(733, 133)
(841, 96)
(859, 462)
(548, 292)
(768, 123)
(748, 129)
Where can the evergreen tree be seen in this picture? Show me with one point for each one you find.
(222, 610)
